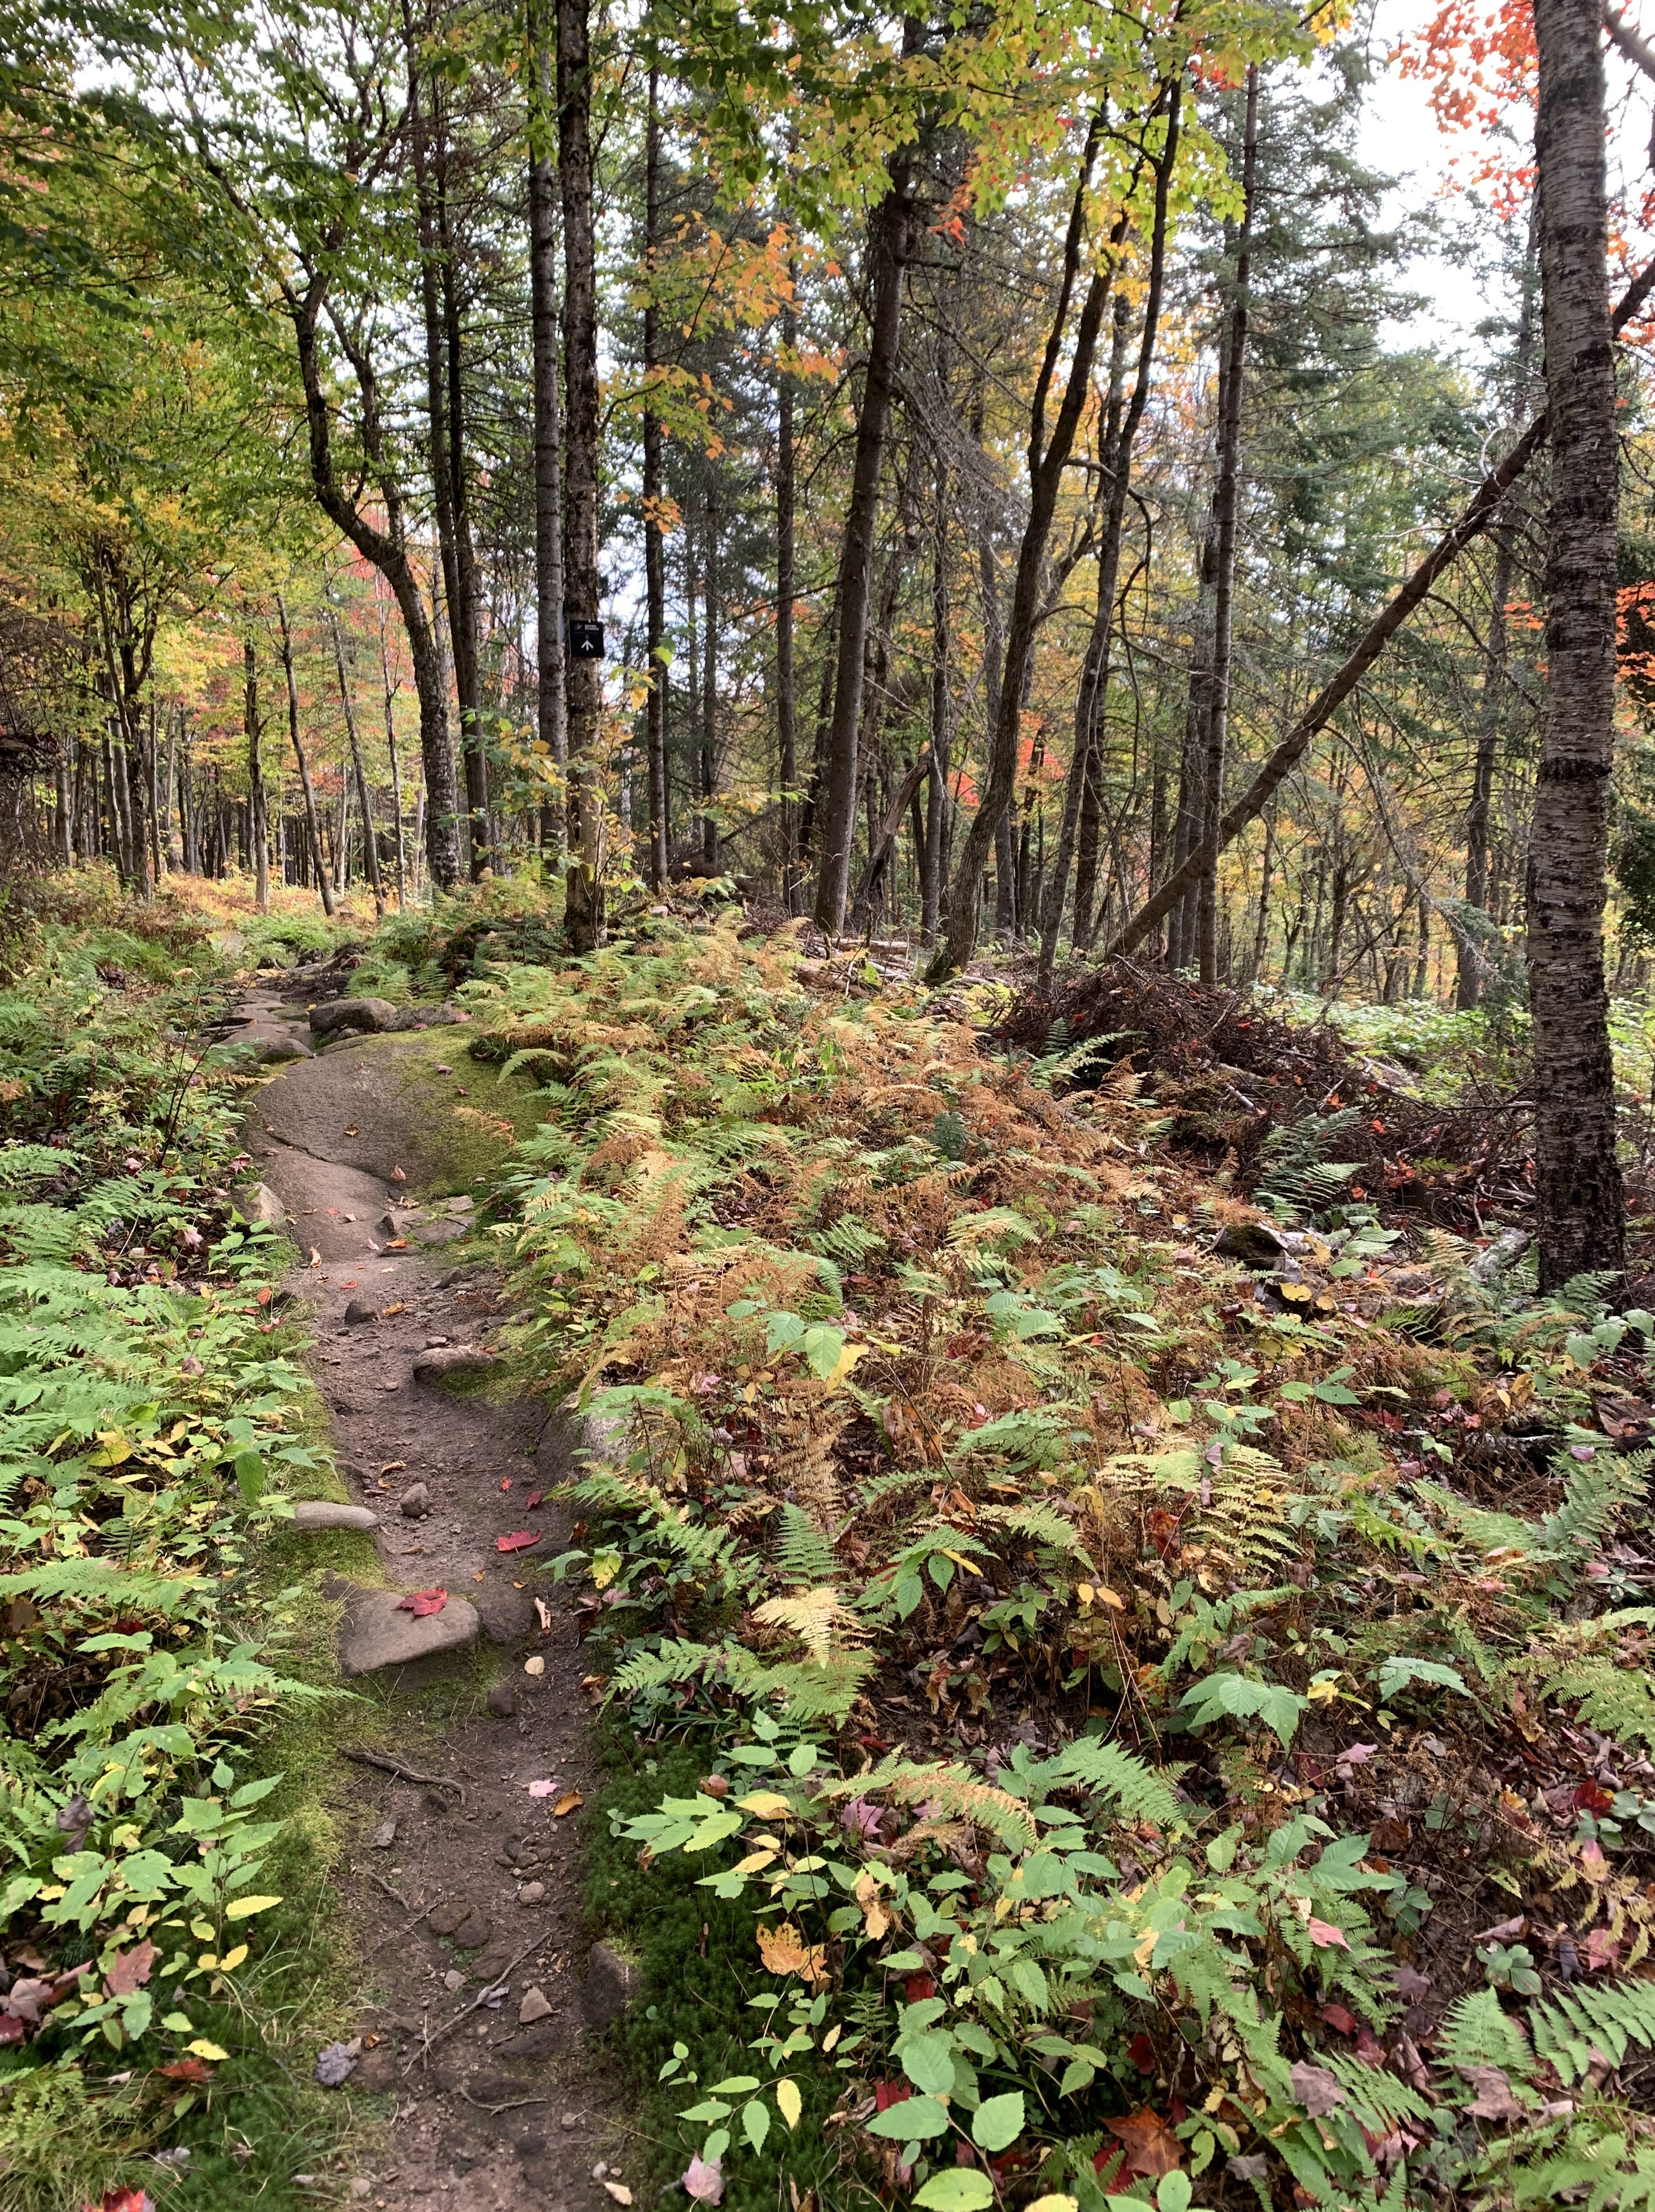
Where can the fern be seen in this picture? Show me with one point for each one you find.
(1378, 2097)
(1612, 2016)
(1598, 2168)
(849, 1241)
(1138, 1792)
(677, 1661)
(1295, 1175)
(820, 1620)
(1475, 2032)
(803, 1553)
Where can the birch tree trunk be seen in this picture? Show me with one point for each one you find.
(550, 713)
(1581, 1203)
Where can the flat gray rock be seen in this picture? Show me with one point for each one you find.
(259, 1202)
(271, 1051)
(375, 1633)
(448, 1231)
(435, 1365)
(335, 1014)
(313, 1513)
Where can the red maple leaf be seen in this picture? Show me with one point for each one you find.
(519, 1540)
(129, 1970)
(1151, 2148)
(420, 1603)
(185, 2070)
(533, 1500)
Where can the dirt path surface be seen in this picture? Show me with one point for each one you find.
(463, 1899)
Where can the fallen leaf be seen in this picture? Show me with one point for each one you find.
(1142, 2051)
(619, 2191)
(315, 1257)
(541, 1789)
(336, 2062)
(129, 1970)
(533, 1500)
(396, 1244)
(519, 1540)
(785, 1951)
(1411, 1986)
(397, 1175)
(394, 1466)
(570, 1802)
(542, 1614)
(1151, 2148)
(423, 1603)
(876, 1921)
(203, 2049)
(1600, 1950)
(1317, 2090)
(703, 2179)
(1325, 1934)
(506, 1482)
(1337, 2016)
(537, 1665)
(1494, 2100)
(121, 2200)
(353, 1131)
(12, 2029)
(1505, 1933)
(185, 2070)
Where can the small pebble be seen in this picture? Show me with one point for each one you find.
(569, 2120)
(385, 1835)
(532, 1893)
(417, 1502)
(535, 1666)
(454, 1979)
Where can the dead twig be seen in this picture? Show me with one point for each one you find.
(429, 2041)
(387, 1765)
(511, 2107)
(380, 1882)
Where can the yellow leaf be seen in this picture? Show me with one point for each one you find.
(785, 1951)
(244, 1907)
(1322, 1693)
(766, 1804)
(1057, 2202)
(842, 1366)
(202, 2049)
(788, 2102)
(753, 1861)
(232, 1959)
(208, 1961)
(875, 1919)
(1143, 1949)
(619, 2191)
(1107, 1596)
(570, 1802)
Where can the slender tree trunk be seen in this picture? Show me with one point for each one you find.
(709, 693)
(1581, 1204)
(371, 849)
(551, 711)
(1120, 484)
(584, 880)
(654, 543)
(174, 844)
(1087, 789)
(936, 789)
(888, 243)
(396, 765)
(305, 784)
(463, 614)
(786, 705)
(257, 828)
(1225, 518)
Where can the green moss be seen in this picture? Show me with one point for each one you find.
(701, 1970)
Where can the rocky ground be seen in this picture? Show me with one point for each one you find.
(460, 1875)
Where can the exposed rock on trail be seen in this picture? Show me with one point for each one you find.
(469, 1919)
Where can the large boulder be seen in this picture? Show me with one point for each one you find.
(336, 1016)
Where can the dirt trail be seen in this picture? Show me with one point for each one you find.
(502, 2105)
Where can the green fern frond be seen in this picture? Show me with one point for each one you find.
(1475, 2032)
(1137, 1790)
(803, 1554)
(677, 1660)
(1611, 1697)
(1614, 2015)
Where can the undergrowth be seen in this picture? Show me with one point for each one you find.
(1116, 1696)
(159, 1870)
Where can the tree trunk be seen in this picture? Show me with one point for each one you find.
(305, 785)
(396, 767)
(550, 713)
(1120, 482)
(257, 834)
(464, 619)
(371, 849)
(583, 882)
(654, 541)
(786, 703)
(387, 551)
(888, 243)
(936, 790)
(1225, 516)
(709, 692)
(1580, 1200)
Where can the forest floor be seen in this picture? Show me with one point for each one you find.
(1097, 1650)
(461, 1895)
